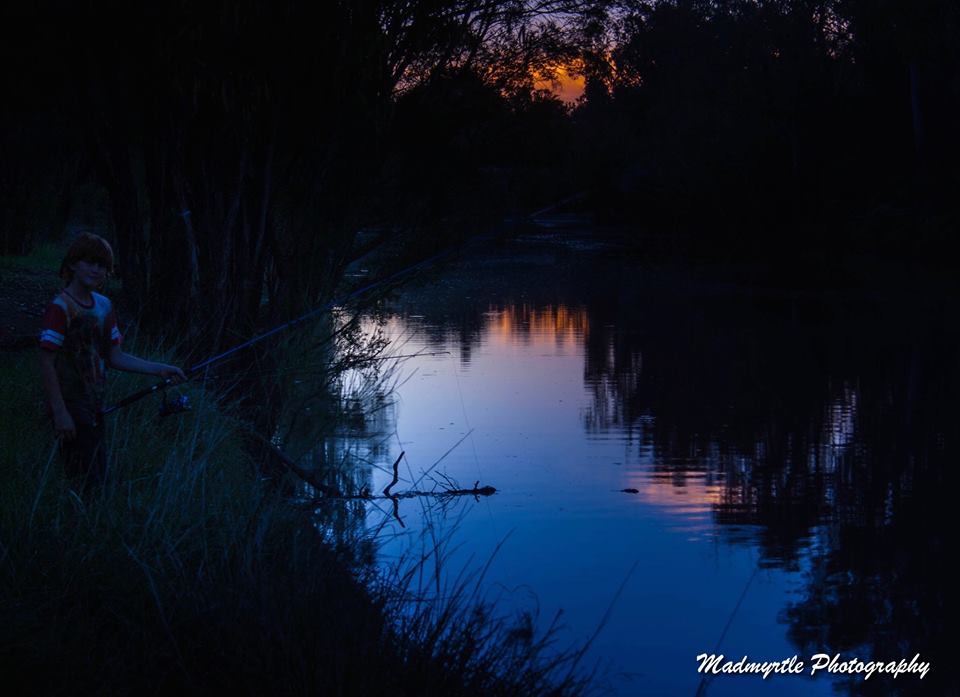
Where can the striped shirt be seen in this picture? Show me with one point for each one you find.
(81, 337)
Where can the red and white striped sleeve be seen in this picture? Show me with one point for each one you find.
(111, 330)
(53, 327)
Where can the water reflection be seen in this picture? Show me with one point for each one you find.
(561, 328)
(813, 430)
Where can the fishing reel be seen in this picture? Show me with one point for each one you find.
(174, 404)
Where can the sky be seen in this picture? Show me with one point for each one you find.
(568, 89)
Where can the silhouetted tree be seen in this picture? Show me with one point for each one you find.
(739, 119)
(242, 144)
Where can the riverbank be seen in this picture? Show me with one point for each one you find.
(190, 572)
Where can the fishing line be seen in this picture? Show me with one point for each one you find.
(466, 419)
(441, 458)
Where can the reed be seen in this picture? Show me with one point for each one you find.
(189, 572)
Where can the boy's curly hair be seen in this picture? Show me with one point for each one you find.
(87, 247)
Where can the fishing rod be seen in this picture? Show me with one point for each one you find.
(180, 404)
(325, 369)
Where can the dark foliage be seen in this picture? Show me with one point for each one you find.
(737, 119)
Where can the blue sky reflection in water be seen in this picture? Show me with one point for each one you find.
(733, 412)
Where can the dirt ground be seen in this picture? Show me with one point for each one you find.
(24, 293)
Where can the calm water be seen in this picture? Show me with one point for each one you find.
(790, 452)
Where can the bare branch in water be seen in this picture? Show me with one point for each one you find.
(396, 475)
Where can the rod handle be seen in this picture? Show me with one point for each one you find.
(131, 398)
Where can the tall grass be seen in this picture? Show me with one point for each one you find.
(188, 572)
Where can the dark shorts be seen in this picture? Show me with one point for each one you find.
(85, 456)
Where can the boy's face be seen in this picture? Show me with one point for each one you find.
(90, 273)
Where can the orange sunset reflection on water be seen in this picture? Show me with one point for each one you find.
(559, 326)
(696, 496)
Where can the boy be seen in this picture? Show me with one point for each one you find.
(79, 332)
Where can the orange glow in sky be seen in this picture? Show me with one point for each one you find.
(568, 87)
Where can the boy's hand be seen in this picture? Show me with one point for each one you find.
(172, 373)
(64, 426)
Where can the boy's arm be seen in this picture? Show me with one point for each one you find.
(62, 421)
(132, 364)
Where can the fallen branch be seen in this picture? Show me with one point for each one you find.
(396, 474)
(327, 491)
(330, 492)
(365, 495)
